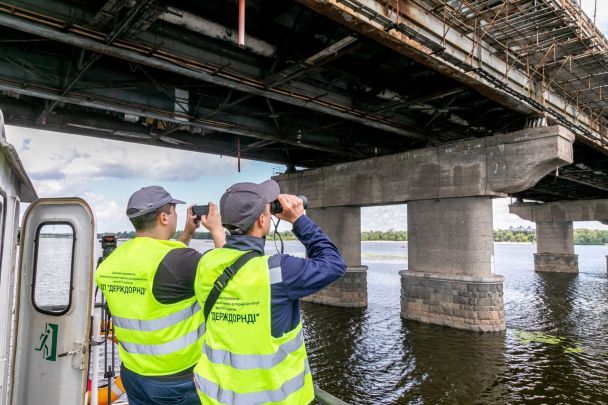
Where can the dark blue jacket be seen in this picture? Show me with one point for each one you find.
(299, 277)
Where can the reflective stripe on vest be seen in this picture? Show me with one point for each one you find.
(154, 338)
(165, 348)
(156, 324)
(241, 362)
(214, 391)
(250, 361)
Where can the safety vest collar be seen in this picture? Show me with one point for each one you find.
(225, 396)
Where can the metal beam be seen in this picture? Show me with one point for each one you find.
(582, 182)
(112, 36)
(100, 125)
(145, 111)
(298, 70)
(207, 73)
(427, 39)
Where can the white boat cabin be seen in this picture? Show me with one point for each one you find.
(43, 341)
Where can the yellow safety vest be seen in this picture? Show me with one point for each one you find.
(242, 363)
(154, 339)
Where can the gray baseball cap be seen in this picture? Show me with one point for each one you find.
(243, 203)
(149, 199)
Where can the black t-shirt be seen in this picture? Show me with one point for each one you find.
(174, 278)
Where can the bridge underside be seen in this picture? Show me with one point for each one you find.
(305, 91)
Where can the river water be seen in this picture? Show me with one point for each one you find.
(555, 348)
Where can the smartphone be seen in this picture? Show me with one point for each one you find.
(200, 210)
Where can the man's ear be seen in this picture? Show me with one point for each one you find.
(163, 218)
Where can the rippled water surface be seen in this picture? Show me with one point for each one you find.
(555, 349)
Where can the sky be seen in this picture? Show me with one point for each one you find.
(105, 173)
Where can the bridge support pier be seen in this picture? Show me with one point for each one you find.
(343, 226)
(448, 189)
(555, 248)
(450, 278)
(554, 233)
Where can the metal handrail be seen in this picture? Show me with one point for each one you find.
(325, 398)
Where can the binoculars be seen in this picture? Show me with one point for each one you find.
(275, 207)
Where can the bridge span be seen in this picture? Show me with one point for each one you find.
(443, 104)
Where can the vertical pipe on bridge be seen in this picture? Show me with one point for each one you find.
(241, 39)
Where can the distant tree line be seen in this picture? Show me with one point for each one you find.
(57, 235)
(581, 236)
(514, 235)
(590, 237)
(384, 235)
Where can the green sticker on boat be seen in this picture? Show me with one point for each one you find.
(48, 342)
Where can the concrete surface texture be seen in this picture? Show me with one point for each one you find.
(583, 210)
(491, 166)
(450, 278)
(555, 237)
(448, 189)
(461, 302)
(343, 226)
(555, 263)
(451, 236)
(554, 230)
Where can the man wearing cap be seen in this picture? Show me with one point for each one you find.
(148, 283)
(253, 348)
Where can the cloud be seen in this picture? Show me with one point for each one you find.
(109, 214)
(384, 218)
(61, 163)
(601, 13)
(503, 219)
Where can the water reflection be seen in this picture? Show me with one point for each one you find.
(451, 366)
(554, 350)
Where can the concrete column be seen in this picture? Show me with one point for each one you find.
(450, 279)
(555, 248)
(343, 226)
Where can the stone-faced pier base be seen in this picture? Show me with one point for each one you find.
(554, 230)
(461, 302)
(343, 226)
(450, 279)
(448, 189)
(347, 291)
(555, 247)
(555, 263)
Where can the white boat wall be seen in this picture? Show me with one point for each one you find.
(46, 360)
(15, 187)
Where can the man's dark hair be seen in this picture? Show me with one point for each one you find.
(148, 221)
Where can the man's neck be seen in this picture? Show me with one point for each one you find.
(256, 232)
(153, 234)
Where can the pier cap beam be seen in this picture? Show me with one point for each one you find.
(493, 166)
(562, 211)
(554, 231)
